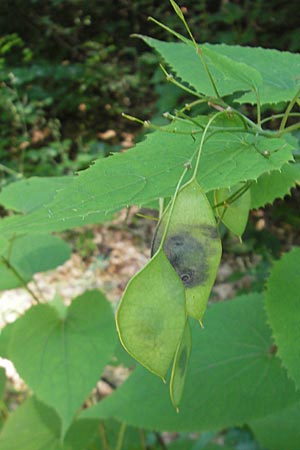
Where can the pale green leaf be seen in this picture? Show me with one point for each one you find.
(5, 336)
(35, 426)
(234, 377)
(113, 435)
(192, 245)
(229, 75)
(149, 171)
(235, 213)
(274, 74)
(31, 193)
(26, 255)
(283, 309)
(274, 185)
(2, 382)
(180, 366)
(61, 360)
(279, 431)
(151, 316)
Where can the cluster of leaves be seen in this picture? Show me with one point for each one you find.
(244, 365)
(67, 70)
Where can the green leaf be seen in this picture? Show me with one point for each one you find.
(5, 336)
(192, 245)
(35, 426)
(24, 256)
(180, 366)
(2, 382)
(229, 75)
(149, 171)
(235, 213)
(177, 10)
(233, 377)
(279, 431)
(274, 185)
(31, 193)
(62, 359)
(151, 316)
(113, 433)
(274, 74)
(283, 309)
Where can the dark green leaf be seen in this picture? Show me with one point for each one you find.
(279, 431)
(29, 194)
(149, 171)
(233, 377)
(275, 184)
(62, 359)
(283, 309)
(35, 426)
(2, 382)
(24, 256)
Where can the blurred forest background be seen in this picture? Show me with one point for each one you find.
(68, 68)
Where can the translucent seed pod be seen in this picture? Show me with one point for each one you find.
(192, 245)
(233, 212)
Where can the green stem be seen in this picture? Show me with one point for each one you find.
(189, 106)
(235, 196)
(208, 72)
(133, 119)
(258, 108)
(103, 438)
(288, 110)
(294, 127)
(202, 142)
(171, 79)
(121, 436)
(10, 171)
(278, 116)
(20, 278)
(179, 36)
(190, 119)
(187, 167)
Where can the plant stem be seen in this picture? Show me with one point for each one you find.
(121, 436)
(160, 441)
(103, 436)
(179, 36)
(10, 171)
(258, 109)
(279, 116)
(202, 142)
(171, 78)
(288, 110)
(19, 277)
(187, 167)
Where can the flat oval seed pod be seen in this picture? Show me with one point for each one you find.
(151, 316)
(180, 366)
(234, 215)
(192, 245)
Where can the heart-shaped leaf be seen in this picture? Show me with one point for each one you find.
(283, 309)
(35, 426)
(233, 377)
(61, 359)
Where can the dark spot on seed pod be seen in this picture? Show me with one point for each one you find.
(188, 257)
(182, 361)
(209, 231)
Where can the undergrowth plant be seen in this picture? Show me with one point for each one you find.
(221, 154)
